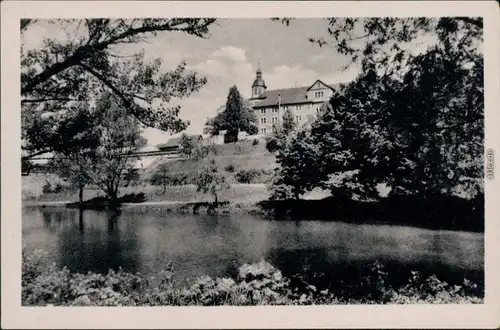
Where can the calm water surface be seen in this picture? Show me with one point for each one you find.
(216, 245)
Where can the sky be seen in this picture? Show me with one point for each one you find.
(230, 56)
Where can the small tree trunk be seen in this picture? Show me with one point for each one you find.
(80, 195)
(113, 197)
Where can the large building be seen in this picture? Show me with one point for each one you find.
(304, 102)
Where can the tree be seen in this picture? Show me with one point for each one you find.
(26, 167)
(74, 158)
(297, 158)
(415, 125)
(131, 176)
(61, 73)
(119, 138)
(237, 116)
(281, 133)
(187, 144)
(161, 176)
(375, 42)
(211, 179)
(289, 124)
(75, 170)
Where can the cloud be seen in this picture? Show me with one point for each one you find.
(232, 53)
(284, 76)
(317, 58)
(228, 66)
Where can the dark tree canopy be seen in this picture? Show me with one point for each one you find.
(236, 116)
(411, 121)
(61, 73)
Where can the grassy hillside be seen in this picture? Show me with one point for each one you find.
(232, 157)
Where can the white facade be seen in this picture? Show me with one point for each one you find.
(303, 102)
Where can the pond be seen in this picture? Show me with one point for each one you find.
(147, 242)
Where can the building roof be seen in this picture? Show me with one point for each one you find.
(174, 142)
(259, 82)
(295, 95)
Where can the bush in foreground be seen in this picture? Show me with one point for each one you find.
(254, 284)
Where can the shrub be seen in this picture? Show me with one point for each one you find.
(230, 168)
(241, 148)
(255, 142)
(280, 191)
(58, 188)
(253, 176)
(253, 284)
(47, 188)
(169, 179)
(272, 144)
(133, 198)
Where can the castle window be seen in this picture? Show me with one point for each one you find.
(263, 111)
(275, 109)
(298, 107)
(274, 120)
(263, 130)
(318, 94)
(263, 120)
(298, 118)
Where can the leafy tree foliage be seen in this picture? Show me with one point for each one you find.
(120, 137)
(76, 140)
(211, 179)
(281, 132)
(75, 168)
(61, 73)
(276, 139)
(297, 158)
(375, 42)
(187, 144)
(131, 176)
(413, 122)
(237, 116)
(289, 125)
(161, 176)
(102, 156)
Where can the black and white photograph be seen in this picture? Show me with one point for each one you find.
(256, 161)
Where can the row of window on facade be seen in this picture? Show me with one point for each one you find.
(318, 94)
(263, 120)
(285, 108)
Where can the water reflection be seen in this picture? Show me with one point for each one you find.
(215, 246)
(92, 241)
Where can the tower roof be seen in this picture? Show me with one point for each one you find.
(259, 82)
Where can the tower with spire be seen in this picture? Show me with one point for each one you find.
(259, 85)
